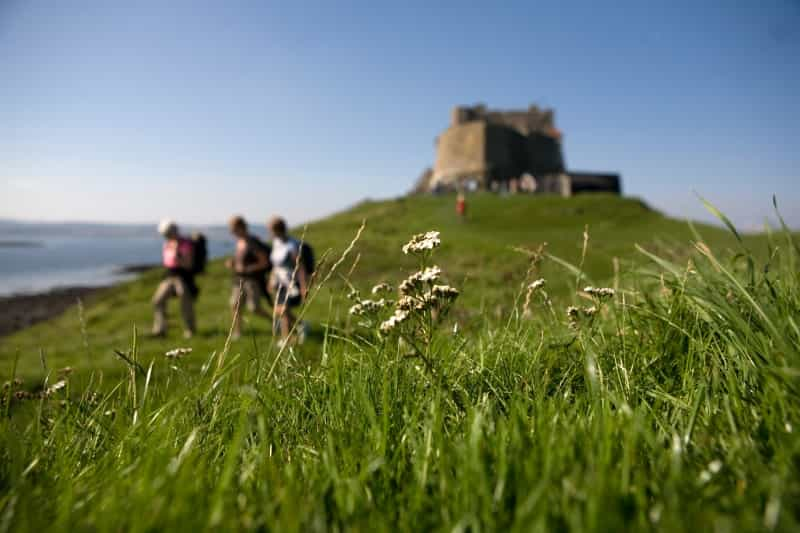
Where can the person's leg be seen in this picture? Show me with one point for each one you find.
(283, 312)
(187, 307)
(162, 294)
(255, 293)
(285, 319)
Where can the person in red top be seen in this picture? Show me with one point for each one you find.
(461, 205)
(177, 258)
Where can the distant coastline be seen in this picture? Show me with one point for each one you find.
(20, 244)
(21, 310)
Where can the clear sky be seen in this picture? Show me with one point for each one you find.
(130, 111)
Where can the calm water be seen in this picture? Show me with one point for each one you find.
(37, 257)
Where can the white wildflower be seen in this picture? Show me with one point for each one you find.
(573, 312)
(590, 311)
(415, 280)
(381, 287)
(601, 293)
(430, 274)
(354, 295)
(445, 291)
(367, 307)
(406, 303)
(422, 242)
(407, 287)
(177, 353)
(715, 466)
(393, 321)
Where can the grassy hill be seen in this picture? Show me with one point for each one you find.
(666, 401)
(478, 254)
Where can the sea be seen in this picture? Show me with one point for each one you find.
(38, 257)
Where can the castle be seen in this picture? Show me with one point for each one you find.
(517, 151)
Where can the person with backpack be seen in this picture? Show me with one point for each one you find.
(180, 267)
(251, 267)
(290, 275)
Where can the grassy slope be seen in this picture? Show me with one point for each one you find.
(674, 408)
(477, 254)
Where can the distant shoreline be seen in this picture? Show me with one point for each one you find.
(20, 244)
(22, 310)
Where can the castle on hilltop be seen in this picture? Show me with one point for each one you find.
(515, 151)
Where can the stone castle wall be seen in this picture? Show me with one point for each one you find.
(486, 145)
(494, 148)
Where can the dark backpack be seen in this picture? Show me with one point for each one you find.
(199, 253)
(307, 257)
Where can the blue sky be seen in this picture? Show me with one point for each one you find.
(130, 111)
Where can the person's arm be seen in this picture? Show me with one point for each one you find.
(302, 276)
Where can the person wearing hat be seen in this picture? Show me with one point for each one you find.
(177, 258)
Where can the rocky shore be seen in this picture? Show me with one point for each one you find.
(20, 311)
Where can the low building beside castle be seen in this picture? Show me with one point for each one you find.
(516, 151)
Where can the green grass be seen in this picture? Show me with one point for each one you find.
(674, 407)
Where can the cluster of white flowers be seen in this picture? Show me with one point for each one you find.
(536, 285)
(395, 320)
(445, 291)
(423, 242)
(177, 353)
(601, 293)
(415, 280)
(368, 307)
(381, 287)
(406, 303)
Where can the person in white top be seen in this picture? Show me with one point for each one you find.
(289, 276)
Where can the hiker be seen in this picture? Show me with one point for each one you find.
(289, 276)
(461, 205)
(179, 271)
(251, 266)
